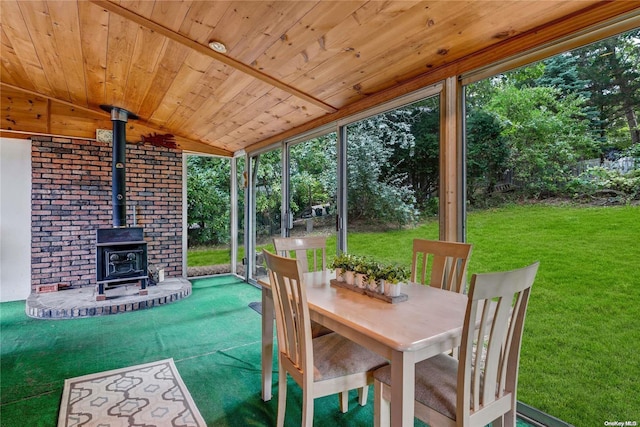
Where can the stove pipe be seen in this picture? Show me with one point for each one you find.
(119, 118)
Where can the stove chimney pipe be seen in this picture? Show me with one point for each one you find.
(119, 118)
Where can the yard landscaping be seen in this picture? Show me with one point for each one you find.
(579, 353)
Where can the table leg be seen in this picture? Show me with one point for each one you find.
(267, 343)
(403, 373)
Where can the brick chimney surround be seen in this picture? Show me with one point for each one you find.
(71, 198)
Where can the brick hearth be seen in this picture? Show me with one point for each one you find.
(81, 302)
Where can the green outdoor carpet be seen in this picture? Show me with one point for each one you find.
(213, 337)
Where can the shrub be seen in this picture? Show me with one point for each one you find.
(598, 179)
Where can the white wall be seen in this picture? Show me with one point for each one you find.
(15, 219)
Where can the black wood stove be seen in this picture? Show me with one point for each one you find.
(121, 257)
(121, 251)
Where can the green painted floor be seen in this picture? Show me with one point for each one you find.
(213, 337)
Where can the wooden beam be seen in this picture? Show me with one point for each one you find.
(205, 50)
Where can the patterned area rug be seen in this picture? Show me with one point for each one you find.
(152, 394)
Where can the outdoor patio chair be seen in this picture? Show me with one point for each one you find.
(480, 387)
(321, 366)
(447, 262)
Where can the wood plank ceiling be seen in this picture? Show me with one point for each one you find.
(289, 65)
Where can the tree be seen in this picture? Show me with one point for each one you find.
(561, 72)
(208, 200)
(547, 134)
(378, 191)
(268, 192)
(312, 173)
(487, 154)
(612, 66)
(419, 162)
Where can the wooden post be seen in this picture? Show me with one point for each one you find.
(451, 162)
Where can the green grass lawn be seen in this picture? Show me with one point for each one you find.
(580, 350)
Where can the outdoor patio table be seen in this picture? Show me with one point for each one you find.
(428, 323)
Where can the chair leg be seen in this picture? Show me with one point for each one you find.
(363, 394)
(508, 419)
(343, 397)
(307, 408)
(381, 407)
(282, 396)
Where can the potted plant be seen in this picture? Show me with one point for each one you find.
(393, 276)
(344, 265)
(338, 264)
(372, 276)
(360, 268)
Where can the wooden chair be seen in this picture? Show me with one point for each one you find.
(302, 247)
(447, 262)
(480, 387)
(321, 366)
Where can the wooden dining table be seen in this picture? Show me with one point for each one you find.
(429, 322)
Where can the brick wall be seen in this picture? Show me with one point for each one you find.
(71, 198)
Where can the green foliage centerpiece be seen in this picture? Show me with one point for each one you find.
(369, 276)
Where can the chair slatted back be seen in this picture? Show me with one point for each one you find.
(292, 311)
(303, 248)
(447, 262)
(488, 376)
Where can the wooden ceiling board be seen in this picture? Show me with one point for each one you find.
(290, 66)
(30, 114)
(246, 119)
(460, 44)
(278, 59)
(67, 120)
(17, 32)
(245, 68)
(120, 45)
(371, 32)
(273, 106)
(242, 97)
(144, 66)
(202, 96)
(410, 57)
(94, 27)
(140, 7)
(190, 72)
(420, 48)
(368, 55)
(22, 112)
(227, 127)
(216, 122)
(480, 27)
(274, 121)
(237, 92)
(40, 27)
(336, 41)
(66, 33)
(169, 14)
(170, 61)
(546, 34)
(12, 70)
(599, 15)
(202, 20)
(252, 28)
